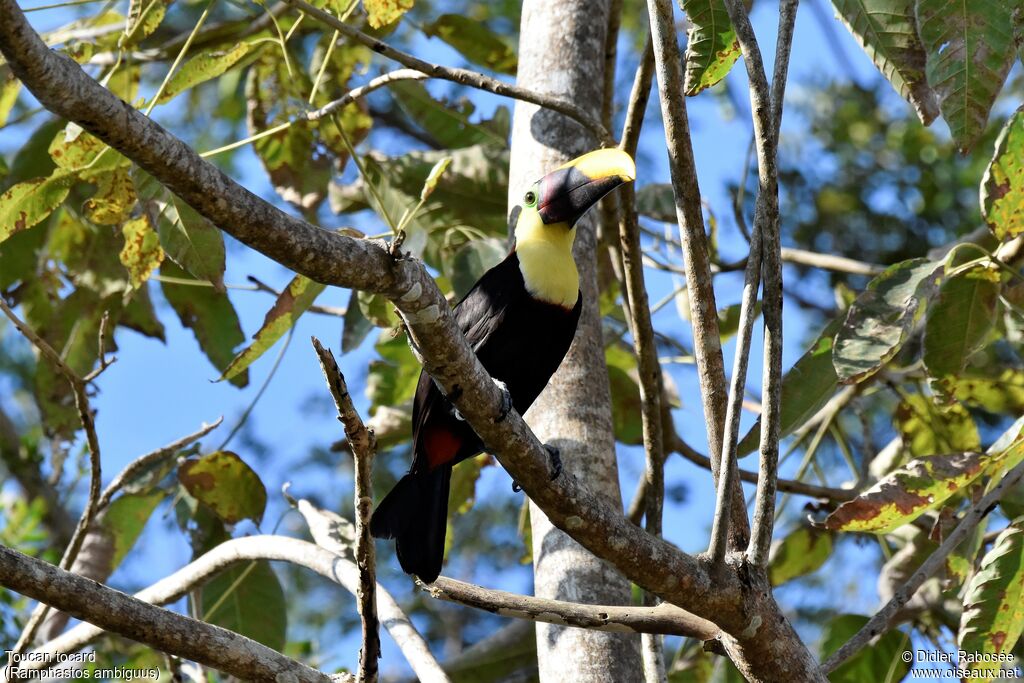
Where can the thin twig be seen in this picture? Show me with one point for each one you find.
(883, 620)
(707, 344)
(364, 446)
(665, 619)
(461, 76)
(365, 89)
(831, 494)
(644, 345)
(142, 462)
(85, 416)
(767, 106)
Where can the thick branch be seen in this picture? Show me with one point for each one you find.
(706, 339)
(364, 447)
(664, 619)
(280, 548)
(166, 631)
(884, 619)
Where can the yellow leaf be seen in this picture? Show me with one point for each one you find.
(383, 12)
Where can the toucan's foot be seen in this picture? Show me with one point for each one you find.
(555, 456)
(506, 400)
(457, 415)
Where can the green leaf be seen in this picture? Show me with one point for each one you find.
(1002, 186)
(356, 325)
(462, 493)
(993, 614)
(623, 381)
(887, 31)
(248, 599)
(144, 16)
(959, 321)
(970, 48)
(806, 388)
(222, 481)
(140, 316)
(142, 253)
(449, 125)
(210, 315)
(380, 13)
(122, 522)
(1001, 394)
(29, 202)
(474, 41)
(472, 260)
(880, 663)
(657, 202)
(430, 184)
(392, 379)
(9, 89)
(904, 494)
(470, 196)
(487, 661)
(711, 44)
(298, 296)
(729, 320)
(378, 309)
(190, 240)
(201, 68)
(928, 428)
(801, 552)
(881, 318)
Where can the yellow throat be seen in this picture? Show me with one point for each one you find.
(545, 259)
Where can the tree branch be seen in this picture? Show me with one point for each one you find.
(159, 628)
(707, 344)
(144, 461)
(461, 76)
(364, 447)
(649, 369)
(834, 495)
(883, 620)
(665, 619)
(92, 446)
(766, 106)
(280, 548)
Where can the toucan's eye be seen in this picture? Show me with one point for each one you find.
(530, 199)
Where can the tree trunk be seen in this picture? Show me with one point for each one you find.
(562, 53)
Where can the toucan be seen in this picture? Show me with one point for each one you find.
(520, 318)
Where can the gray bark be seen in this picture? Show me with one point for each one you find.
(561, 53)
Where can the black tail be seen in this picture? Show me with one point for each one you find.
(415, 514)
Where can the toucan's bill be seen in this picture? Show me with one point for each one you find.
(566, 193)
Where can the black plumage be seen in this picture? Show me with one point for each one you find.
(520, 340)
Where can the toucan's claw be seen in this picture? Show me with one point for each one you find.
(506, 400)
(555, 457)
(556, 461)
(457, 415)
